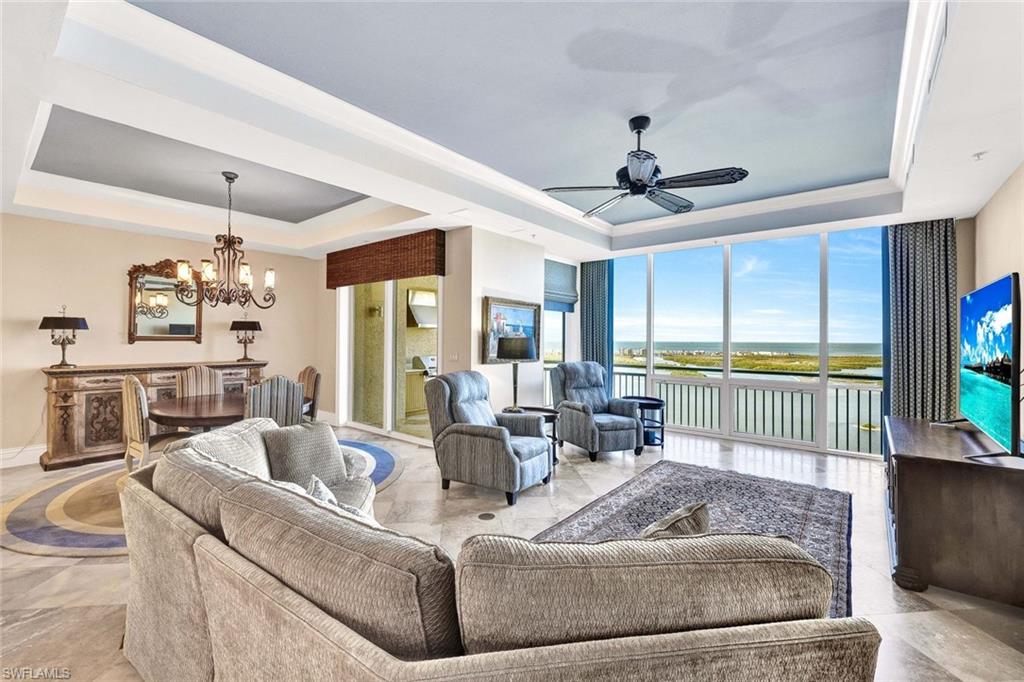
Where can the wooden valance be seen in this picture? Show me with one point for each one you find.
(414, 255)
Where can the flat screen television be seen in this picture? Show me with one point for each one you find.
(990, 361)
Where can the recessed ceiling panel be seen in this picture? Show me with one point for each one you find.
(802, 94)
(85, 147)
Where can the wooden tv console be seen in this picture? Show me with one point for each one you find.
(954, 522)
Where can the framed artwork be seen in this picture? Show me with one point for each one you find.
(505, 317)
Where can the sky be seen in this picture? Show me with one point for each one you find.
(986, 323)
(774, 291)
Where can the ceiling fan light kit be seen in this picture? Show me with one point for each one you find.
(641, 176)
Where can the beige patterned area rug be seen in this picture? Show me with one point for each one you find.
(817, 519)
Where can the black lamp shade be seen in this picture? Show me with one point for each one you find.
(61, 322)
(516, 348)
(246, 326)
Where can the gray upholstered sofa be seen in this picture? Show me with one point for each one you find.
(472, 444)
(588, 417)
(235, 577)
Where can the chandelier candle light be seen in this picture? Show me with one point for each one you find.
(227, 278)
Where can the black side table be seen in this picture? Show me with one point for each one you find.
(652, 416)
(550, 417)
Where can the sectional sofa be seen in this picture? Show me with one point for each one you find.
(239, 577)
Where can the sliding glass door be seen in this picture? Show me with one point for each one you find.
(395, 349)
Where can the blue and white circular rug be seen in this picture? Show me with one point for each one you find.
(80, 515)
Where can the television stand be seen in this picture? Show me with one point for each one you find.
(949, 423)
(954, 511)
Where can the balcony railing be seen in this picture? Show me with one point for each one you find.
(854, 410)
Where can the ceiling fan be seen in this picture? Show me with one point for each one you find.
(641, 176)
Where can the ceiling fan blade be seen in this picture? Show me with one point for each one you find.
(606, 205)
(719, 176)
(670, 202)
(579, 189)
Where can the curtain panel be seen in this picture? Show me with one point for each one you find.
(596, 313)
(923, 329)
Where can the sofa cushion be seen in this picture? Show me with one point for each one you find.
(470, 401)
(239, 444)
(513, 593)
(193, 483)
(394, 590)
(614, 422)
(584, 383)
(528, 447)
(690, 519)
(298, 452)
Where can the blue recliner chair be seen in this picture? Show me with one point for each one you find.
(588, 417)
(507, 452)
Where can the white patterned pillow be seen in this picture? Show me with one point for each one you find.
(298, 452)
(318, 491)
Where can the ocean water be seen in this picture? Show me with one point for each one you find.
(756, 347)
(987, 403)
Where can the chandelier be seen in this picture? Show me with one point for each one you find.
(156, 308)
(227, 278)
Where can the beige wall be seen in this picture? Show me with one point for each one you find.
(46, 264)
(504, 267)
(999, 232)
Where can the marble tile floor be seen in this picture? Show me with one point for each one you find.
(69, 613)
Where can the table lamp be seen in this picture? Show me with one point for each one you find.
(516, 349)
(62, 323)
(246, 332)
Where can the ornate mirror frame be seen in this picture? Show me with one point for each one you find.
(165, 268)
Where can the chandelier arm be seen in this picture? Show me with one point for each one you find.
(269, 297)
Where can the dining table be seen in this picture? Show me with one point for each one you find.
(203, 411)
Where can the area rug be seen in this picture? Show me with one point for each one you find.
(79, 515)
(817, 519)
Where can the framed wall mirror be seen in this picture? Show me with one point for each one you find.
(154, 312)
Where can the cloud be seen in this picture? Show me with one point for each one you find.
(748, 265)
(991, 336)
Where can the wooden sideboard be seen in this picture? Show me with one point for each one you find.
(84, 408)
(955, 516)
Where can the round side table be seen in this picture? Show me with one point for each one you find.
(652, 416)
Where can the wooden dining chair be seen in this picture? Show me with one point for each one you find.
(136, 422)
(310, 380)
(279, 398)
(199, 380)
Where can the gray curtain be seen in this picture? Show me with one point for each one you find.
(924, 330)
(595, 314)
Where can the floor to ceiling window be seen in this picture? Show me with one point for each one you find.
(629, 325)
(738, 332)
(687, 329)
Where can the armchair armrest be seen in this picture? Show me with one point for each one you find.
(576, 407)
(496, 433)
(623, 408)
(522, 424)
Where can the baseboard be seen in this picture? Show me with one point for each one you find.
(16, 457)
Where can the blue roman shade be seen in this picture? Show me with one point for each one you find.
(560, 286)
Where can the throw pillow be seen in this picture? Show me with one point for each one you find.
(303, 450)
(318, 491)
(690, 519)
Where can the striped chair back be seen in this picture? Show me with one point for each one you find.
(310, 380)
(278, 397)
(199, 380)
(136, 421)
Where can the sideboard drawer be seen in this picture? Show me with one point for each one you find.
(163, 378)
(236, 374)
(100, 381)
